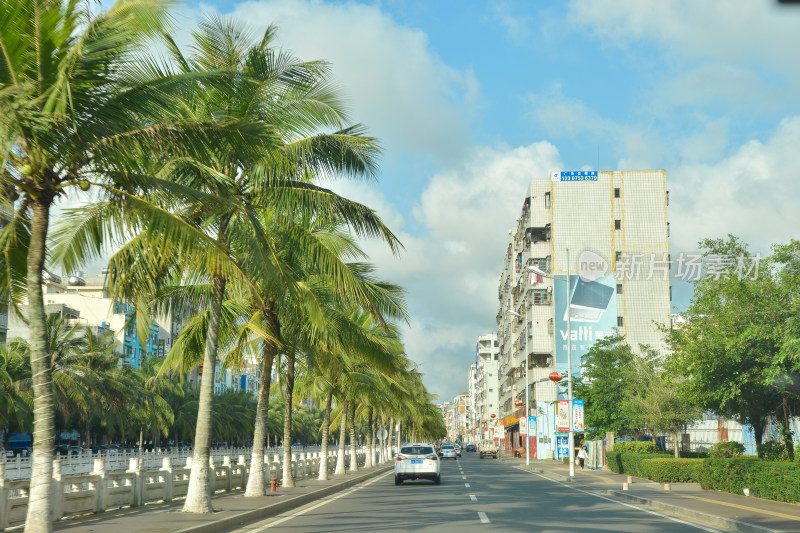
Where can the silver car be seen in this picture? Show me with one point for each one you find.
(448, 450)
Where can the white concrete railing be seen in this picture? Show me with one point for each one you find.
(103, 488)
(83, 463)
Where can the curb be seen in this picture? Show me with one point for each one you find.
(716, 521)
(232, 522)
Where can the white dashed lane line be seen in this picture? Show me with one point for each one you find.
(483, 517)
(473, 497)
(465, 477)
(466, 485)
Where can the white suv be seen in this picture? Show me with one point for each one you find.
(417, 461)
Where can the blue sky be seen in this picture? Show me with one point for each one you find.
(471, 99)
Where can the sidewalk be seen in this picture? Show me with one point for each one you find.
(231, 509)
(686, 500)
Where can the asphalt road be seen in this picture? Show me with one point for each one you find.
(475, 495)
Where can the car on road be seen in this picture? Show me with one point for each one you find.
(417, 461)
(471, 448)
(447, 451)
(458, 449)
(487, 448)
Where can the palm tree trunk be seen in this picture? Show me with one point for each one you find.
(370, 441)
(256, 484)
(342, 434)
(353, 454)
(326, 424)
(38, 519)
(288, 480)
(198, 496)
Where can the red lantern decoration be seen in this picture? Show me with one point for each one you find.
(518, 403)
(493, 415)
(556, 376)
(484, 421)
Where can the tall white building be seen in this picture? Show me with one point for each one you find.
(483, 389)
(613, 225)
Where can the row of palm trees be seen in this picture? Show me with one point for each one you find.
(114, 403)
(202, 167)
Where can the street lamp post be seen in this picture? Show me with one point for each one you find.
(527, 403)
(571, 439)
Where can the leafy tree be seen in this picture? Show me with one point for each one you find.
(654, 397)
(605, 384)
(728, 348)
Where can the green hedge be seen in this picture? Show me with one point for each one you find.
(634, 446)
(663, 470)
(631, 464)
(772, 480)
(694, 455)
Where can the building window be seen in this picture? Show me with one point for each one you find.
(547, 200)
(618, 224)
(616, 192)
(619, 322)
(618, 256)
(670, 293)
(540, 297)
(619, 288)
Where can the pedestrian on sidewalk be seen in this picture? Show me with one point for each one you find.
(582, 456)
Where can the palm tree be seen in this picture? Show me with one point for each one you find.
(15, 393)
(67, 115)
(213, 228)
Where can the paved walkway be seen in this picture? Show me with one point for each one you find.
(231, 509)
(718, 509)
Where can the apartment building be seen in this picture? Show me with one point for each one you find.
(603, 237)
(483, 388)
(455, 417)
(86, 300)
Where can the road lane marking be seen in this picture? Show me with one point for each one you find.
(320, 504)
(466, 485)
(473, 497)
(463, 477)
(483, 517)
(672, 518)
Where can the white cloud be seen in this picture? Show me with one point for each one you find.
(752, 31)
(516, 25)
(396, 84)
(752, 193)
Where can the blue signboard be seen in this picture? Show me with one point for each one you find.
(581, 175)
(562, 446)
(592, 313)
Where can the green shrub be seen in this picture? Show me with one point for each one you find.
(726, 449)
(773, 450)
(631, 463)
(673, 470)
(773, 480)
(694, 455)
(630, 446)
